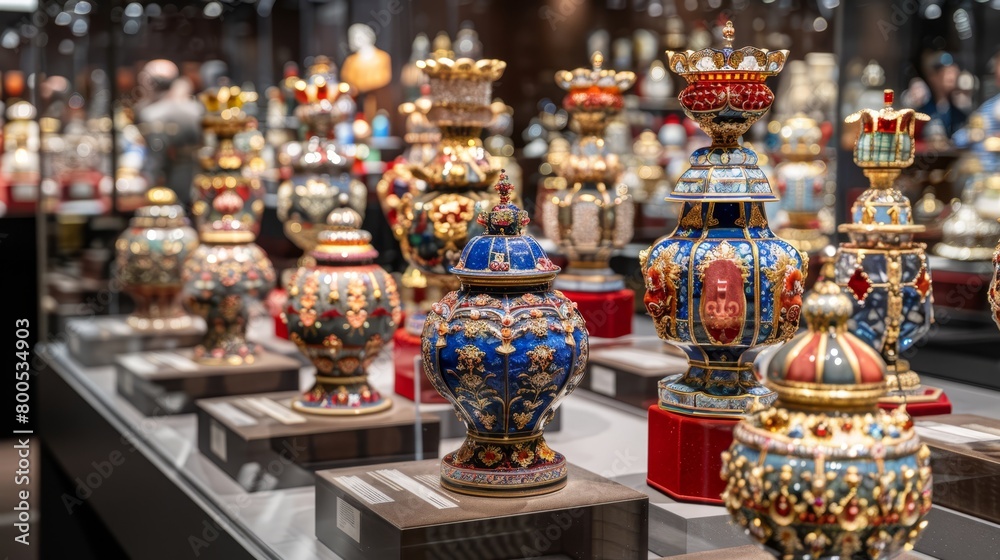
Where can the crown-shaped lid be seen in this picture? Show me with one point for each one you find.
(886, 136)
(827, 367)
(343, 241)
(461, 90)
(504, 254)
(596, 78)
(224, 109)
(321, 95)
(759, 62)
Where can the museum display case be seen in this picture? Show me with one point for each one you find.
(278, 294)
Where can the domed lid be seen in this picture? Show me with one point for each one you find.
(161, 210)
(827, 367)
(344, 242)
(801, 137)
(504, 255)
(722, 174)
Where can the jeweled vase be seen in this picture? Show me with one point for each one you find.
(320, 177)
(825, 474)
(228, 272)
(149, 258)
(881, 266)
(504, 349)
(340, 313)
(592, 216)
(722, 285)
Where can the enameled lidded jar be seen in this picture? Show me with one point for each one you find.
(825, 474)
(340, 313)
(722, 285)
(228, 272)
(149, 258)
(504, 349)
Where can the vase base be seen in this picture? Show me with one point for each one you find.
(341, 410)
(501, 468)
(680, 397)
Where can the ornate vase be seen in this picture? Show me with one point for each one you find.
(504, 349)
(228, 271)
(881, 266)
(825, 473)
(722, 286)
(340, 313)
(149, 258)
(591, 217)
(321, 179)
(435, 225)
(802, 183)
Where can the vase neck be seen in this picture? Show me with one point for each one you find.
(722, 215)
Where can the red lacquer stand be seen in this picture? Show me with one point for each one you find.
(685, 455)
(406, 349)
(275, 304)
(608, 314)
(940, 405)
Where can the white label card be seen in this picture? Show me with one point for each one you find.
(217, 439)
(138, 364)
(349, 520)
(176, 361)
(229, 412)
(363, 490)
(276, 411)
(424, 493)
(603, 380)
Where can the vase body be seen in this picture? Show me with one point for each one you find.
(721, 287)
(860, 491)
(149, 258)
(340, 317)
(802, 186)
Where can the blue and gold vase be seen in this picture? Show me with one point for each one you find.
(881, 266)
(504, 349)
(340, 313)
(825, 473)
(228, 272)
(722, 285)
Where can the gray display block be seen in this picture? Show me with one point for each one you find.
(965, 459)
(400, 511)
(97, 341)
(265, 445)
(168, 382)
(629, 371)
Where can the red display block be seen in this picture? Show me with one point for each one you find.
(274, 304)
(685, 455)
(608, 314)
(406, 349)
(923, 406)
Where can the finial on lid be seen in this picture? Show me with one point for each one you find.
(160, 196)
(505, 218)
(597, 60)
(728, 33)
(888, 96)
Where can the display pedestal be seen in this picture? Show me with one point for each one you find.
(685, 455)
(931, 403)
(96, 341)
(399, 511)
(965, 462)
(161, 383)
(405, 353)
(265, 445)
(629, 372)
(608, 314)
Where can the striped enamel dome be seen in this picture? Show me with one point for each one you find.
(827, 366)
